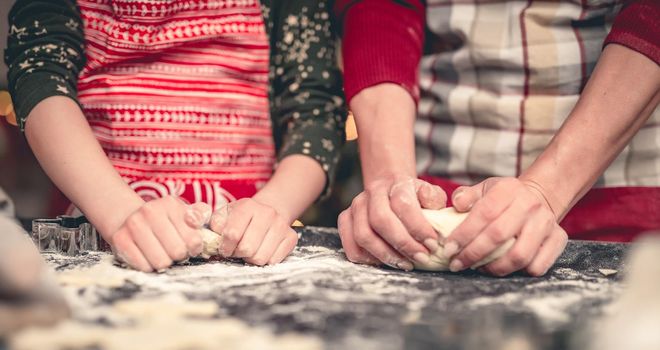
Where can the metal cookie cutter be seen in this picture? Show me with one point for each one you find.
(67, 235)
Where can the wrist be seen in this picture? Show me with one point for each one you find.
(109, 213)
(552, 199)
(278, 202)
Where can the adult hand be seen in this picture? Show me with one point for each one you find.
(501, 208)
(384, 224)
(254, 231)
(156, 235)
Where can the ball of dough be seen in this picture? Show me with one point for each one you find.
(444, 221)
(211, 243)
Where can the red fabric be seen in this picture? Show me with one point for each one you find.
(382, 43)
(638, 27)
(178, 96)
(383, 40)
(617, 214)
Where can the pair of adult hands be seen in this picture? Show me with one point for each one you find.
(384, 224)
(166, 230)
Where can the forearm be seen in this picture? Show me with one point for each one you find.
(63, 142)
(621, 95)
(295, 185)
(385, 116)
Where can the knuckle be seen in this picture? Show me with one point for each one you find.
(404, 245)
(361, 238)
(194, 244)
(272, 214)
(488, 210)
(400, 202)
(357, 201)
(246, 249)
(120, 240)
(498, 234)
(148, 210)
(379, 218)
(535, 203)
(231, 234)
(342, 219)
(133, 223)
(470, 256)
(519, 258)
(171, 200)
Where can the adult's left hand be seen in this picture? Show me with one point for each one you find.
(501, 208)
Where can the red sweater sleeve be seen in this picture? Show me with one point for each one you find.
(638, 27)
(382, 42)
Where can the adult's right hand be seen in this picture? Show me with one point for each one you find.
(384, 223)
(157, 234)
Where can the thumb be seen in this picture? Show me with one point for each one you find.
(430, 196)
(198, 214)
(464, 197)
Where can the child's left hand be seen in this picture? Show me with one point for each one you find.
(253, 231)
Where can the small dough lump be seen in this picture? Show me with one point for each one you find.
(211, 243)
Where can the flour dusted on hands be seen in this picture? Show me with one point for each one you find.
(444, 221)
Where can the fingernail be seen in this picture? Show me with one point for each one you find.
(421, 258)
(451, 248)
(405, 265)
(431, 244)
(455, 265)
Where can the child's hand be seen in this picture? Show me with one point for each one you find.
(253, 231)
(156, 235)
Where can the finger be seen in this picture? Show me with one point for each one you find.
(527, 245)
(285, 248)
(353, 252)
(368, 240)
(274, 236)
(380, 218)
(128, 252)
(465, 197)
(484, 212)
(430, 196)
(178, 214)
(219, 218)
(237, 223)
(406, 207)
(255, 233)
(166, 233)
(507, 225)
(549, 252)
(147, 242)
(198, 215)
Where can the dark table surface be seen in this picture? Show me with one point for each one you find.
(317, 292)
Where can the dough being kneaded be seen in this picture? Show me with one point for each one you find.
(444, 221)
(211, 243)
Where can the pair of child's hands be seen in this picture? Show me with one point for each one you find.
(166, 230)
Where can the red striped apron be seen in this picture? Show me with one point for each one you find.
(176, 92)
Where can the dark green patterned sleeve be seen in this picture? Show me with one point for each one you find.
(307, 100)
(45, 52)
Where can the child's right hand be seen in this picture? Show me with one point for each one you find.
(156, 235)
(254, 231)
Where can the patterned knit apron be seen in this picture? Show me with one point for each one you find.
(176, 93)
